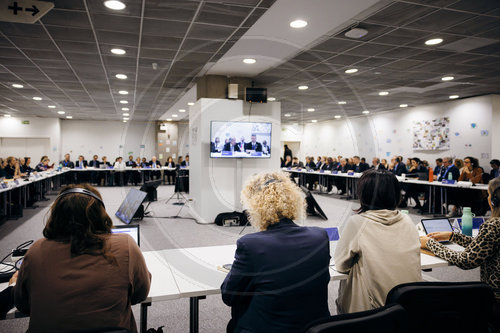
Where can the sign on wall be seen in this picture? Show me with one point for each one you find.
(24, 11)
(431, 134)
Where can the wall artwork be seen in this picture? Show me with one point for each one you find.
(431, 134)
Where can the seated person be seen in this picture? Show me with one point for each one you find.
(66, 163)
(7, 297)
(279, 279)
(216, 146)
(81, 177)
(310, 163)
(132, 176)
(340, 182)
(413, 190)
(94, 163)
(81, 163)
(481, 251)
(253, 145)
(3, 164)
(266, 150)
(231, 146)
(288, 161)
(377, 165)
(10, 169)
(495, 169)
(155, 164)
(80, 275)
(170, 174)
(384, 163)
(439, 166)
(103, 176)
(472, 172)
(43, 165)
(26, 167)
(448, 171)
(118, 176)
(358, 165)
(398, 167)
(185, 163)
(379, 247)
(296, 163)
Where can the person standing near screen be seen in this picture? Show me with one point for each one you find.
(288, 152)
(253, 145)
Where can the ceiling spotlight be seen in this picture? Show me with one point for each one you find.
(174, 116)
(271, 99)
(297, 24)
(125, 109)
(447, 78)
(403, 105)
(303, 87)
(121, 76)
(51, 106)
(342, 102)
(124, 121)
(366, 112)
(351, 70)
(249, 61)
(37, 98)
(356, 33)
(69, 117)
(17, 85)
(123, 102)
(434, 41)
(287, 115)
(314, 121)
(182, 110)
(337, 116)
(169, 119)
(383, 93)
(126, 114)
(123, 92)
(454, 96)
(61, 112)
(190, 103)
(118, 51)
(311, 110)
(126, 118)
(114, 4)
(7, 115)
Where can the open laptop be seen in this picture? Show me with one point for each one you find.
(436, 225)
(129, 229)
(334, 236)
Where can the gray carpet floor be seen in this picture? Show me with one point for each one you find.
(159, 233)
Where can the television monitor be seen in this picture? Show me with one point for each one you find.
(256, 95)
(240, 139)
(130, 205)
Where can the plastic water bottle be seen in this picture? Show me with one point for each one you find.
(404, 211)
(450, 176)
(467, 221)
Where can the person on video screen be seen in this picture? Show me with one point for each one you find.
(253, 145)
(232, 146)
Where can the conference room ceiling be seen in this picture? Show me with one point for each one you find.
(65, 57)
(393, 57)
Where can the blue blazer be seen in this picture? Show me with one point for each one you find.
(279, 279)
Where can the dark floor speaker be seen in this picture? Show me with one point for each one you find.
(313, 209)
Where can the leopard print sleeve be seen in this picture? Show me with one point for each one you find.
(475, 253)
(460, 239)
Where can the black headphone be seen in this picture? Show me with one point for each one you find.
(82, 191)
(494, 200)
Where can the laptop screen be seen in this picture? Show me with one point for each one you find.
(436, 225)
(130, 229)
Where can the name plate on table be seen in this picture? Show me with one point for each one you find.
(350, 173)
(289, 168)
(448, 181)
(37, 176)
(334, 172)
(110, 167)
(299, 169)
(321, 171)
(226, 153)
(3, 185)
(256, 153)
(16, 182)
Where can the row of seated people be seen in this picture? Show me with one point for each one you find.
(279, 279)
(467, 169)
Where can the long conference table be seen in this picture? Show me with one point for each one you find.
(352, 180)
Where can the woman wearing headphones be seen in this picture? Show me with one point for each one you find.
(80, 275)
(481, 251)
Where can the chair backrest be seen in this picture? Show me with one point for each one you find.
(444, 306)
(387, 319)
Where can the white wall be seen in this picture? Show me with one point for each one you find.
(183, 141)
(108, 138)
(390, 133)
(44, 128)
(215, 184)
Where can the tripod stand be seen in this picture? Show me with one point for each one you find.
(181, 185)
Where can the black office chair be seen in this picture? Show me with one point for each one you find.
(444, 306)
(103, 330)
(387, 319)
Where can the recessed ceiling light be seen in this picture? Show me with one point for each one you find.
(123, 92)
(287, 115)
(124, 121)
(366, 112)
(271, 99)
(311, 110)
(125, 109)
(182, 110)
(17, 85)
(434, 41)
(190, 103)
(118, 51)
(454, 96)
(7, 115)
(69, 117)
(249, 61)
(126, 118)
(337, 116)
(37, 98)
(356, 33)
(314, 121)
(123, 102)
(383, 93)
(351, 70)
(51, 106)
(169, 119)
(114, 4)
(342, 102)
(174, 116)
(447, 78)
(61, 112)
(403, 105)
(303, 87)
(297, 24)
(126, 114)
(121, 76)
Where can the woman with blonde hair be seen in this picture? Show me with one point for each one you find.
(279, 278)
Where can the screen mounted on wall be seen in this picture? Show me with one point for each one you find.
(238, 139)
